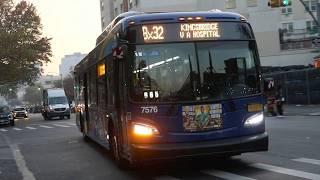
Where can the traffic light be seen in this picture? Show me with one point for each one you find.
(279, 3)
(285, 2)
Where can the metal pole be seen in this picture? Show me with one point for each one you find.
(286, 87)
(318, 18)
(308, 86)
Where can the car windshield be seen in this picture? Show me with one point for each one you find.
(19, 109)
(194, 71)
(4, 109)
(58, 100)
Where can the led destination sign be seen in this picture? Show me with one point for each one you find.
(198, 31)
(174, 32)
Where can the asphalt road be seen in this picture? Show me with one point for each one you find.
(45, 150)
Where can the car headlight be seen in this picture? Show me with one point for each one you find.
(254, 120)
(144, 130)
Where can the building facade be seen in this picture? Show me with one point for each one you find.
(284, 35)
(68, 62)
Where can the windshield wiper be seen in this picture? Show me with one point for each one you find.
(191, 77)
(210, 63)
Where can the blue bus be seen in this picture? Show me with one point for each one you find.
(172, 85)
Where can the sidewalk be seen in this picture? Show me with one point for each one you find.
(301, 110)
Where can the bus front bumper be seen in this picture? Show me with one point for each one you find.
(231, 146)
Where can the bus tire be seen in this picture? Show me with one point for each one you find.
(115, 152)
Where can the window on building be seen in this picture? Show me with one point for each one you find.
(130, 4)
(116, 11)
(311, 5)
(137, 1)
(102, 5)
(252, 3)
(231, 4)
(287, 27)
(311, 27)
(121, 7)
(286, 10)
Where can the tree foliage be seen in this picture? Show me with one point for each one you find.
(33, 95)
(68, 85)
(23, 48)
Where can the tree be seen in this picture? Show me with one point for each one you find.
(68, 85)
(57, 84)
(23, 48)
(33, 95)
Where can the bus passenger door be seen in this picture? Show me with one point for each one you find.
(120, 102)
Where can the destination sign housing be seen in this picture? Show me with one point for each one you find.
(201, 31)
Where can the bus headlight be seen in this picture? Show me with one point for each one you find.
(254, 120)
(144, 130)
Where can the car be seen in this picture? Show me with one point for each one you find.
(6, 117)
(20, 112)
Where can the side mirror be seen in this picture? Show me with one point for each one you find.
(120, 51)
(268, 84)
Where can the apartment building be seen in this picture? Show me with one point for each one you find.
(284, 34)
(68, 62)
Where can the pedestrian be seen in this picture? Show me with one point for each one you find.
(279, 101)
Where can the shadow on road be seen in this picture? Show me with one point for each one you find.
(187, 167)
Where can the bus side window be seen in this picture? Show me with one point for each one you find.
(93, 87)
(109, 81)
(101, 84)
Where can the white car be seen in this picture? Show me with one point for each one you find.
(20, 112)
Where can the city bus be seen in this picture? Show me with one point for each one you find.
(171, 85)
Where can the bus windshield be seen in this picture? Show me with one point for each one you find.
(194, 71)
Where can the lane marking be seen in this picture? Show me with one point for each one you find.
(19, 159)
(71, 124)
(307, 160)
(225, 175)
(3, 130)
(32, 128)
(17, 129)
(59, 125)
(48, 127)
(165, 178)
(286, 171)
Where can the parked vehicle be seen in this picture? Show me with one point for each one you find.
(6, 117)
(20, 112)
(55, 104)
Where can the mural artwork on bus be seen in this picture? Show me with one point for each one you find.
(202, 117)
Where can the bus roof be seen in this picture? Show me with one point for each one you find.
(167, 17)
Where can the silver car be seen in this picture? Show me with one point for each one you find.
(20, 112)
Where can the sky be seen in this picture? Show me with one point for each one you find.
(73, 26)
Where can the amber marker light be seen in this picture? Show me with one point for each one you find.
(190, 18)
(144, 130)
(198, 18)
